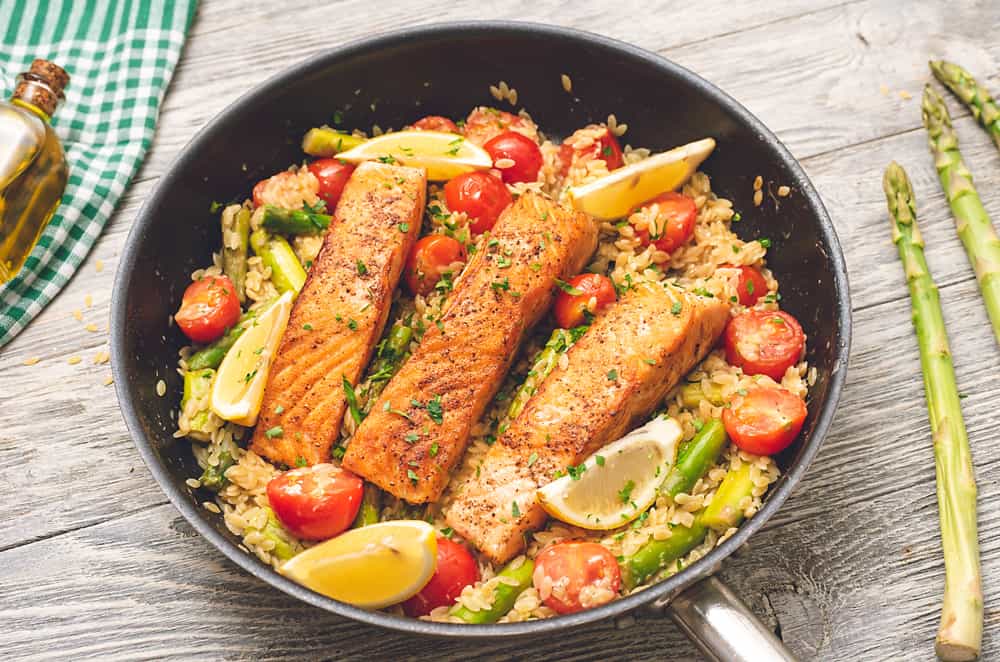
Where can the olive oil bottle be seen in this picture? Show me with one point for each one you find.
(33, 168)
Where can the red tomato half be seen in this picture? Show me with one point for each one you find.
(332, 176)
(430, 257)
(606, 148)
(484, 123)
(764, 342)
(751, 285)
(675, 217)
(209, 307)
(765, 420)
(317, 502)
(571, 309)
(434, 123)
(456, 569)
(523, 151)
(481, 196)
(573, 576)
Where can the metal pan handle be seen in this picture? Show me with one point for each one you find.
(724, 628)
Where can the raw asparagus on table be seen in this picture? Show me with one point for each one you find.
(324, 141)
(235, 246)
(696, 458)
(722, 513)
(972, 94)
(960, 633)
(308, 220)
(971, 220)
(287, 273)
(504, 596)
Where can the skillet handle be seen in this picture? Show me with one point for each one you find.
(725, 630)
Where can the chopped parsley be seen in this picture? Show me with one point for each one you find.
(434, 449)
(215, 207)
(625, 493)
(447, 531)
(599, 459)
(649, 361)
(500, 285)
(532, 459)
(388, 158)
(536, 266)
(300, 461)
(412, 476)
(338, 117)
(567, 288)
(514, 510)
(766, 243)
(307, 326)
(676, 308)
(612, 375)
(352, 400)
(279, 410)
(503, 262)
(435, 410)
(404, 227)
(362, 268)
(411, 438)
(276, 431)
(388, 408)
(577, 471)
(702, 292)
(737, 217)
(352, 324)
(749, 287)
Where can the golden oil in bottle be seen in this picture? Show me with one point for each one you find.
(33, 168)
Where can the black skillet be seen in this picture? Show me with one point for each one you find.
(446, 69)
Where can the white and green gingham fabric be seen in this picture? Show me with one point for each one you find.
(120, 55)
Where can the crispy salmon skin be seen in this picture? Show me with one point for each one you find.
(420, 425)
(613, 378)
(340, 313)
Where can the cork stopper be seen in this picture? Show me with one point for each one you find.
(42, 85)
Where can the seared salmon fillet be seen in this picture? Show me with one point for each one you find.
(613, 378)
(419, 427)
(340, 313)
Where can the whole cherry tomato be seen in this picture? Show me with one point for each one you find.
(481, 196)
(317, 502)
(523, 151)
(209, 307)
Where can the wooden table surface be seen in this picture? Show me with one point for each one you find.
(95, 562)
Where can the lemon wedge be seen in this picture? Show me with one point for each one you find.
(618, 483)
(371, 567)
(616, 194)
(444, 155)
(238, 388)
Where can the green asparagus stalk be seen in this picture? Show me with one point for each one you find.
(283, 548)
(971, 220)
(695, 459)
(391, 355)
(297, 221)
(287, 273)
(197, 384)
(972, 94)
(212, 355)
(722, 513)
(692, 394)
(214, 478)
(371, 503)
(235, 246)
(960, 633)
(504, 596)
(324, 141)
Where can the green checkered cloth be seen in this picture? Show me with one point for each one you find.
(120, 55)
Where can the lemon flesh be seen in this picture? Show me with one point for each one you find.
(619, 482)
(238, 389)
(615, 195)
(371, 567)
(443, 155)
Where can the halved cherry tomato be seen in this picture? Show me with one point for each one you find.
(573, 576)
(430, 257)
(209, 307)
(481, 196)
(332, 175)
(456, 569)
(605, 147)
(485, 123)
(434, 123)
(523, 151)
(675, 217)
(764, 342)
(571, 309)
(751, 285)
(317, 502)
(765, 420)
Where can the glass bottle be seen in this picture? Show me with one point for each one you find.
(33, 167)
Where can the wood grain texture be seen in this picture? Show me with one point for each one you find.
(850, 569)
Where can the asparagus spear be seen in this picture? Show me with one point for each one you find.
(371, 502)
(214, 478)
(324, 141)
(960, 633)
(298, 221)
(973, 224)
(972, 94)
(723, 512)
(283, 549)
(235, 243)
(504, 595)
(391, 355)
(287, 273)
(695, 459)
(692, 394)
(212, 355)
(197, 384)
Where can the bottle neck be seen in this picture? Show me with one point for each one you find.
(35, 95)
(31, 108)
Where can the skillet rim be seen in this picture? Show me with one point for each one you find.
(659, 593)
